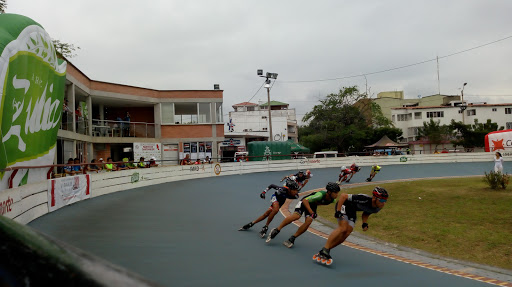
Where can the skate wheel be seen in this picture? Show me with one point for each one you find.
(328, 262)
(315, 257)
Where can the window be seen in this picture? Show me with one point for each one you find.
(435, 114)
(250, 109)
(508, 111)
(205, 113)
(167, 113)
(403, 118)
(417, 115)
(471, 112)
(189, 113)
(185, 113)
(218, 113)
(494, 109)
(412, 131)
(509, 125)
(393, 118)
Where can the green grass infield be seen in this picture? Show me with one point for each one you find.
(461, 218)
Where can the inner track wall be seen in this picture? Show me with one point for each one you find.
(26, 203)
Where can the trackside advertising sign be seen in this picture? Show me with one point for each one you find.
(499, 141)
(68, 190)
(32, 83)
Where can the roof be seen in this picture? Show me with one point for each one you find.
(385, 142)
(245, 104)
(274, 103)
(458, 107)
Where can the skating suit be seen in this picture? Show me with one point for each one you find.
(357, 202)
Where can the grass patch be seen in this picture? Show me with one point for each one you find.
(459, 218)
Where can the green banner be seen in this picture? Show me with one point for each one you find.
(32, 82)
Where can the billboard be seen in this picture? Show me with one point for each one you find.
(32, 85)
(498, 141)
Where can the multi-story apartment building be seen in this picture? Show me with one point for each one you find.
(111, 120)
(409, 119)
(249, 122)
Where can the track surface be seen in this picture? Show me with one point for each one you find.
(185, 234)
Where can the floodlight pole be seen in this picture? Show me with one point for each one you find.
(267, 86)
(269, 116)
(462, 105)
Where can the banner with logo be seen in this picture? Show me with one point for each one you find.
(68, 190)
(32, 85)
(147, 150)
(499, 141)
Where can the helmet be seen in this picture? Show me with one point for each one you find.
(380, 192)
(301, 171)
(343, 168)
(332, 187)
(292, 185)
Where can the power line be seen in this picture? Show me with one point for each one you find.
(400, 67)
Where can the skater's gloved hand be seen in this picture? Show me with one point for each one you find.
(314, 215)
(365, 226)
(262, 195)
(338, 214)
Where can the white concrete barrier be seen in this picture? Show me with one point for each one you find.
(28, 202)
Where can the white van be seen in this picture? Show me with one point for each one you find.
(325, 154)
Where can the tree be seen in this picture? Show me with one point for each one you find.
(435, 132)
(342, 121)
(470, 136)
(3, 6)
(64, 49)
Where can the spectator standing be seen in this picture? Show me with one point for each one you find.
(152, 162)
(110, 166)
(186, 160)
(66, 111)
(129, 163)
(498, 162)
(68, 169)
(77, 168)
(126, 125)
(93, 167)
(141, 163)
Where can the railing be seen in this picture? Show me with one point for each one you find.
(106, 128)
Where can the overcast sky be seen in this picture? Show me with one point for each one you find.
(192, 45)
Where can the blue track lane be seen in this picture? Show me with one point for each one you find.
(185, 234)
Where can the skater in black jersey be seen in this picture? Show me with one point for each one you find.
(307, 206)
(300, 177)
(346, 209)
(290, 190)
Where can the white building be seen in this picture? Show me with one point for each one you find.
(249, 122)
(409, 119)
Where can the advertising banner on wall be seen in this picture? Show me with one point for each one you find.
(499, 141)
(68, 190)
(147, 150)
(32, 84)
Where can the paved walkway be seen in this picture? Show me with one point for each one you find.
(185, 234)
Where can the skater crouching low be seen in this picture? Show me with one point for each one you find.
(346, 209)
(373, 172)
(289, 190)
(307, 206)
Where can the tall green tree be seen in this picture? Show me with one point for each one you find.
(343, 121)
(470, 136)
(435, 132)
(64, 49)
(3, 6)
